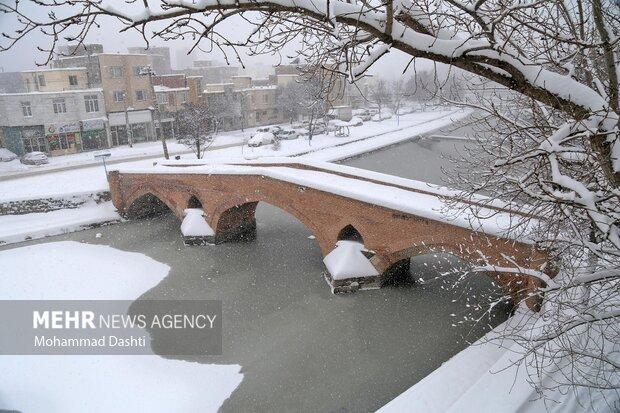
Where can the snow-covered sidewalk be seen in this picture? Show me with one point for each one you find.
(139, 151)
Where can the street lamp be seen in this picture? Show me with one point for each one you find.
(148, 71)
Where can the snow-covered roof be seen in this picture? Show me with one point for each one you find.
(161, 89)
(95, 90)
(270, 87)
(56, 69)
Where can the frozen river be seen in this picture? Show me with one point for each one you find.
(300, 347)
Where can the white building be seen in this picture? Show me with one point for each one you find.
(54, 122)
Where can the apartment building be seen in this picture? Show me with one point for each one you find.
(58, 123)
(160, 57)
(55, 80)
(129, 96)
(81, 55)
(211, 72)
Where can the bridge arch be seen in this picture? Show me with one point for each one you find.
(148, 202)
(237, 215)
(194, 202)
(350, 233)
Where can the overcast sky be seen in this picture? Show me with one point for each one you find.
(25, 54)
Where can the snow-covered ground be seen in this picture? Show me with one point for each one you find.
(72, 270)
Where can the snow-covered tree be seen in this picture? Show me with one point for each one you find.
(557, 159)
(195, 128)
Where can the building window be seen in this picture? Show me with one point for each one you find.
(162, 98)
(60, 106)
(116, 71)
(141, 95)
(73, 80)
(119, 96)
(92, 103)
(26, 109)
(183, 97)
(41, 80)
(138, 70)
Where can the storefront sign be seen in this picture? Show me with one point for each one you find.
(69, 127)
(93, 124)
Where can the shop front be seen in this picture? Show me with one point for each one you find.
(23, 139)
(33, 139)
(94, 135)
(140, 127)
(63, 138)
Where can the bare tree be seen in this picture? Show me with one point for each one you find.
(314, 100)
(288, 100)
(194, 128)
(556, 158)
(398, 95)
(380, 94)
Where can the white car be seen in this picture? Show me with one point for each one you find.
(6, 155)
(381, 116)
(287, 134)
(261, 138)
(356, 121)
(34, 158)
(273, 129)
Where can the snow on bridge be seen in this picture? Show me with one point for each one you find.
(392, 218)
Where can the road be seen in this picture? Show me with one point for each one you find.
(301, 348)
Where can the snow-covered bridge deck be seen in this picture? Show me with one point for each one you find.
(367, 224)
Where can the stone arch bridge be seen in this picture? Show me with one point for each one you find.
(394, 218)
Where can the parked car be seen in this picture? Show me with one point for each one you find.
(381, 116)
(6, 155)
(356, 121)
(34, 158)
(317, 129)
(261, 139)
(363, 114)
(287, 134)
(271, 129)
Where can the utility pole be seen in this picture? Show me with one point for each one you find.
(149, 71)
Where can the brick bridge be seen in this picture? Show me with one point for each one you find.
(394, 218)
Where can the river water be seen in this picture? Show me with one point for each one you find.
(302, 348)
